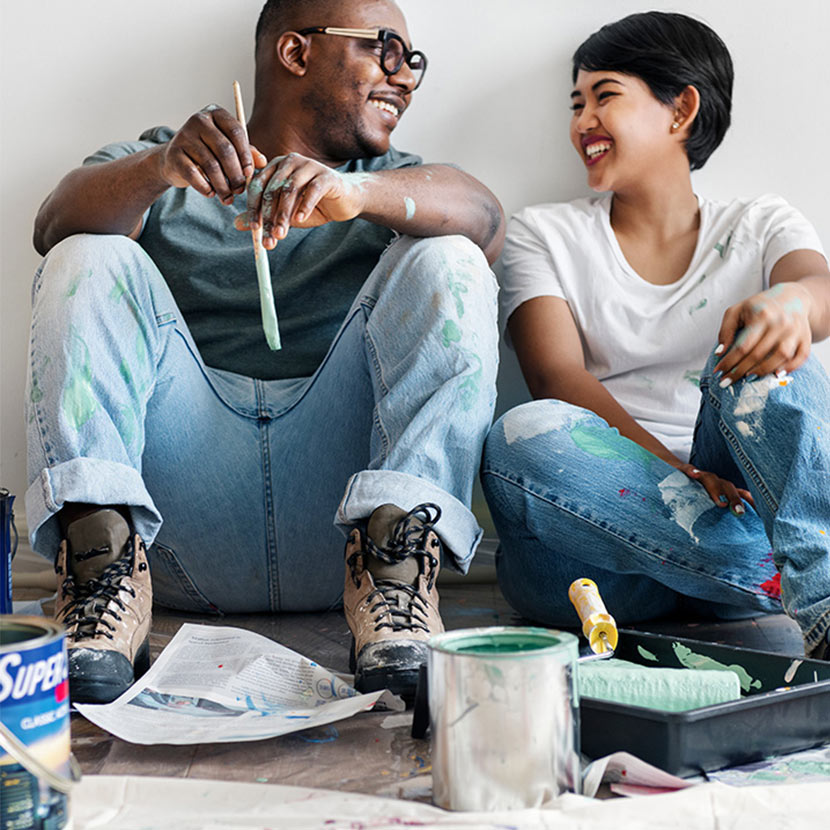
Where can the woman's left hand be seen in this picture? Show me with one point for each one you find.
(766, 333)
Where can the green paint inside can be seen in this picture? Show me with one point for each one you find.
(503, 642)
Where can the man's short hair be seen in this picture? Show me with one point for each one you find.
(668, 52)
(278, 16)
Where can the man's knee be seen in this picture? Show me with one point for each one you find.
(448, 265)
(71, 261)
(86, 271)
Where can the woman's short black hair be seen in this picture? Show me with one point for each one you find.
(669, 52)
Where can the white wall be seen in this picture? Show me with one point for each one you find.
(78, 74)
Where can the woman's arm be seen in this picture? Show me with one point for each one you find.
(773, 330)
(549, 348)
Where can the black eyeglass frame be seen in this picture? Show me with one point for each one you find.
(382, 35)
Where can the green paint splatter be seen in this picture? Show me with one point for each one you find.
(647, 655)
(118, 290)
(691, 660)
(692, 376)
(78, 402)
(700, 305)
(722, 249)
(610, 445)
(126, 424)
(126, 374)
(141, 349)
(451, 333)
(457, 289)
(76, 282)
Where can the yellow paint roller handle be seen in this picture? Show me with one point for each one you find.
(597, 624)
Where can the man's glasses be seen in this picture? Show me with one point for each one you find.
(393, 54)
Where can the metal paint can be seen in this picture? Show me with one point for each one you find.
(34, 725)
(7, 550)
(504, 717)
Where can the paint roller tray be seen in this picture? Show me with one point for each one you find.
(767, 720)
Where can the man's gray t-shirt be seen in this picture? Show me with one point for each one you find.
(209, 265)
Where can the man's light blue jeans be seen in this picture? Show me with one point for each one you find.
(572, 498)
(247, 474)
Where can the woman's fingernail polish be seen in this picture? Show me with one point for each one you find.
(725, 382)
(717, 375)
(722, 498)
(738, 509)
(720, 348)
(780, 373)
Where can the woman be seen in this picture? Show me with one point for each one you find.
(632, 313)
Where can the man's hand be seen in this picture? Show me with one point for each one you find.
(211, 154)
(767, 333)
(295, 191)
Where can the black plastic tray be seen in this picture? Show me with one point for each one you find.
(769, 720)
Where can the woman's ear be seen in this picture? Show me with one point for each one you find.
(292, 52)
(686, 107)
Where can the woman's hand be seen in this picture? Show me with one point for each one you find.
(722, 492)
(765, 334)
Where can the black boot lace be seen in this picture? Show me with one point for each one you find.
(410, 538)
(85, 614)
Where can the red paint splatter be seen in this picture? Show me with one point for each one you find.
(772, 587)
(625, 492)
(61, 691)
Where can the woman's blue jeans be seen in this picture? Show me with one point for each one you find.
(571, 498)
(248, 474)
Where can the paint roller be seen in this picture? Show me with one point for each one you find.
(620, 681)
(598, 625)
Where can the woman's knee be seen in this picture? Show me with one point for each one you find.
(524, 440)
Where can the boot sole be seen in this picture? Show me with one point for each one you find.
(402, 681)
(98, 676)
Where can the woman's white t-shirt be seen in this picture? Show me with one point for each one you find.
(648, 343)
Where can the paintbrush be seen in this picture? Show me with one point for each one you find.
(263, 269)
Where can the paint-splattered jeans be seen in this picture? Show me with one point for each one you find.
(570, 497)
(248, 474)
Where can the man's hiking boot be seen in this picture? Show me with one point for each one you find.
(105, 601)
(390, 598)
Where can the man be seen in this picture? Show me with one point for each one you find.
(153, 392)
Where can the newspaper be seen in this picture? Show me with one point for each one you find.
(219, 684)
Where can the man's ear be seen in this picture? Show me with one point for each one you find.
(686, 107)
(292, 52)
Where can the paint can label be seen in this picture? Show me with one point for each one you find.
(34, 706)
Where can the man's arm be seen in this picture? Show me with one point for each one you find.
(209, 153)
(429, 200)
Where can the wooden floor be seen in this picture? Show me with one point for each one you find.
(372, 752)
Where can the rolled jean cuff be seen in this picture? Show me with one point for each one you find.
(458, 529)
(817, 633)
(86, 481)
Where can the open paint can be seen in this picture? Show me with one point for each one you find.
(36, 768)
(504, 717)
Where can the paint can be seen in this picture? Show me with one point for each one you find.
(504, 717)
(35, 761)
(7, 550)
